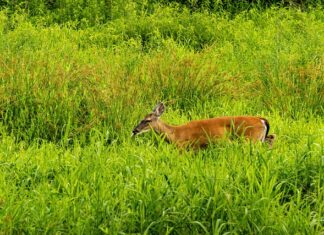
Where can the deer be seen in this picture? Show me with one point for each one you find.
(200, 133)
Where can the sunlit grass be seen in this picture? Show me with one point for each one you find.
(70, 98)
(147, 185)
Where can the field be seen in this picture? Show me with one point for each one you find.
(71, 93)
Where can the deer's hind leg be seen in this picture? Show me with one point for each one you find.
(270, 139)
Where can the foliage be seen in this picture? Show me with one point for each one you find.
(148, 187)
(83, 13)
(58, 83)
(70, 96)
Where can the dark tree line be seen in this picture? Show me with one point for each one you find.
(101, 11)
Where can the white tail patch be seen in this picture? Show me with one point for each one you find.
(263, 136)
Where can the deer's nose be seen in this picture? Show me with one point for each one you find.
(134, 132)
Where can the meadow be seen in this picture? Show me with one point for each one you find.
(71, 93)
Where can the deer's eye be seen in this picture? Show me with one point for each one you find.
(146, 121)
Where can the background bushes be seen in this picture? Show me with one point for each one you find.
(83, 13)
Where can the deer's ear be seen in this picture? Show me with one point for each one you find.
(159, 109)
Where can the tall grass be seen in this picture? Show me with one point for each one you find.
(69, 99)
(137, 187)
(57, 82)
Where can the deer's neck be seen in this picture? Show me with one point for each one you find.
(167, 130)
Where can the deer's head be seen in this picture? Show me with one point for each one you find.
(149, 120)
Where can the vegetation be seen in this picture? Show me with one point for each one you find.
(93, 12)
(72, 89)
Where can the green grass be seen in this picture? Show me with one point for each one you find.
(70, 98)
(138, 186)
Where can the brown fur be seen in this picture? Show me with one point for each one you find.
(200, 133)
